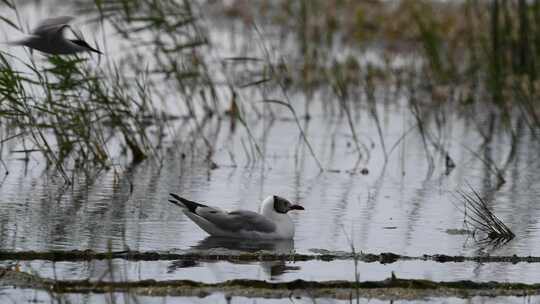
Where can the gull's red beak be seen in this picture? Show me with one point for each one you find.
(296, 207)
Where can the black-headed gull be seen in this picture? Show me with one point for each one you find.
(48, 37)
(272, 223)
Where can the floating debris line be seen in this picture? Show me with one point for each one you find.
(390, 288)
(222, 254)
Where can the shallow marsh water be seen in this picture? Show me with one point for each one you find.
(380, 212)
(278, 271)
(396, 206)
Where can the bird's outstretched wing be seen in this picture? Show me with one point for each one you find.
(51, 25)
(227, 221)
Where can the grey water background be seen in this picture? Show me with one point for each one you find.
(396, 207)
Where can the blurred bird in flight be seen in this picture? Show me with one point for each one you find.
(48, 37)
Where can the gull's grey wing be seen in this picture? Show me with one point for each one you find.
(51, 25)
(228, 221)
(236, 220)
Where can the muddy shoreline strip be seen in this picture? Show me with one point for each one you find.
(221, 254)
(392, 288)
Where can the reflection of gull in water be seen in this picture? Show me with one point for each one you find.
(275, 246)
(229, 245)
(275, 269)
(272, 223)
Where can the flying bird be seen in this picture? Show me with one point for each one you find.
(272, 223)
(48, 37)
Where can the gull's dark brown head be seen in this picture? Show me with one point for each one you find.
(282, 205)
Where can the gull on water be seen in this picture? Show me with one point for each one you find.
(272, 223)
(48, 37)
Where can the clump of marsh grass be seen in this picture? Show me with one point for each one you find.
(169, 36)
(479, 216)
(69, 108)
